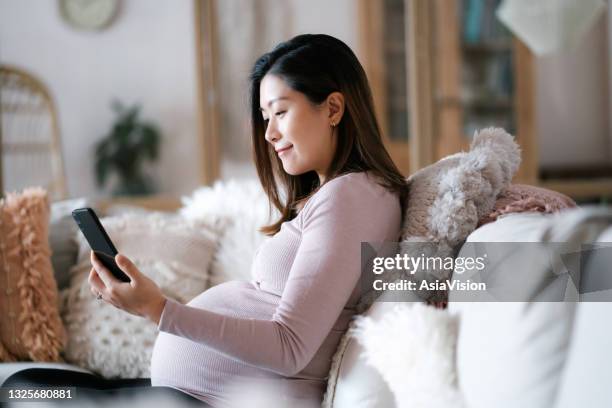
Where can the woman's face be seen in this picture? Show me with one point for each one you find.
(300, 132)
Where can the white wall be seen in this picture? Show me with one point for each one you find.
(573, 102)
(147, 55)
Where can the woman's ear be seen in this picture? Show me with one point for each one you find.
(335, 104)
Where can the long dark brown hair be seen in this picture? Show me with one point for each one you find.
(317, 65)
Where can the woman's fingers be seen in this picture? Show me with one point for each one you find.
(95, 282)
(127, 266)
(105, 275)
(97, 288)
(140, 297)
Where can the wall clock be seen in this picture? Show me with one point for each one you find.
(89, 14)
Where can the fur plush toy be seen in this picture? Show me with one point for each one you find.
(447, 199)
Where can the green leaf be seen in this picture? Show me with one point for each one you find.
(102, 167)
(150, 142)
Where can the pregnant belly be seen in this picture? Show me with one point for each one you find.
(237, 299)
(197, 368)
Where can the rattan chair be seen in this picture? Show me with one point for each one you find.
(30, 148)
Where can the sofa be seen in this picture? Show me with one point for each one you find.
(512, 353)
(527, 354)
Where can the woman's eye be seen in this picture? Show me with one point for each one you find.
(280, 113)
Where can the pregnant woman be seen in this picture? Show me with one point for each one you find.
(321, 161)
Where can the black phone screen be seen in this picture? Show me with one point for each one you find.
(98, 240)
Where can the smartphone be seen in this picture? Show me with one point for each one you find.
(98, 239)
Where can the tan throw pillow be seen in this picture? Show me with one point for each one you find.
(172, 251)
(30, 325)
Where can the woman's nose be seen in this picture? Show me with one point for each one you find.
(272, 134)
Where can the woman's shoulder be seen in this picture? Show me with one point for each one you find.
(355, 189)
(356, 183)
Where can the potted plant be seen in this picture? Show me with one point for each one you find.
(124, 150)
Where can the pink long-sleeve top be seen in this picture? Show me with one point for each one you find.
(285, 324)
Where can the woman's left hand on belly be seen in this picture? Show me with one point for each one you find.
(141, 296)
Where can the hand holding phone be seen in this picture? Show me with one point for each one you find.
(144, 299)
(98, 240)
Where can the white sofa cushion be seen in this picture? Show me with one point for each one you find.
(519, 227)
(512, 354)
(587, 375)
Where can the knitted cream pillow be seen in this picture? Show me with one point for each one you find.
(167, 248)
(30, 325)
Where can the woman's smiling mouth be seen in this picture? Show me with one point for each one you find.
(283, 150)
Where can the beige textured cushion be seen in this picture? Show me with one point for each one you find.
(167, 248)
(30, 326)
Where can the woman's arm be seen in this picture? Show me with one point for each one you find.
(324, 273)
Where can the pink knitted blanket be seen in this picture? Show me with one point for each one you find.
(519, 198)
